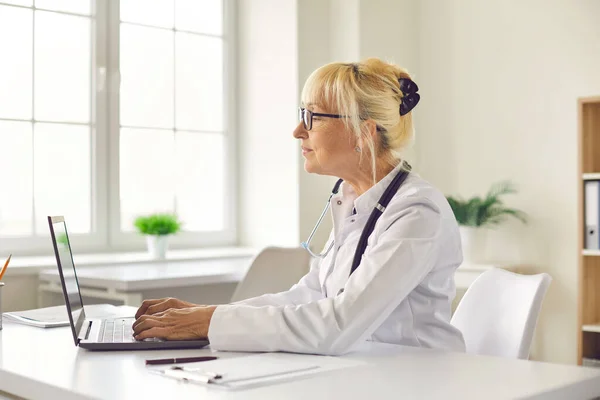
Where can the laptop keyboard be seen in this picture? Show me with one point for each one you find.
(117, 330)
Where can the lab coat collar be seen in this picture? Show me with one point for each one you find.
(365, 203)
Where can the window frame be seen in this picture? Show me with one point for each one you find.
(106, 235)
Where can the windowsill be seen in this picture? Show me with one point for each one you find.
(33, 265)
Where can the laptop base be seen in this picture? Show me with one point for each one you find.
(141, 345)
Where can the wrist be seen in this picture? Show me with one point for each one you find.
(209, 310)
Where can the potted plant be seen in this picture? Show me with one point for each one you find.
(475, 214)
(158, 228)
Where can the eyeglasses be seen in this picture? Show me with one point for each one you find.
(306, 116)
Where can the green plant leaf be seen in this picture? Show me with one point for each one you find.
(158, 224)
(489, 211)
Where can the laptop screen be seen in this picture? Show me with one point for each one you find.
(66, 268)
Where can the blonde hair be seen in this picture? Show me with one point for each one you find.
(365, 90)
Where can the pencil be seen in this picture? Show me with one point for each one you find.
(5, 267)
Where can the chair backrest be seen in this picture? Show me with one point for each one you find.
(274, 269)
(499, 312)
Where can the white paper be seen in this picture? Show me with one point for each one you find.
(263, 369)
(51, 317)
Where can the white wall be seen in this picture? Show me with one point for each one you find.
(499, 83)
(267, 100)
(280, 43)
(314, 50)
(389, 29)
(344, 29)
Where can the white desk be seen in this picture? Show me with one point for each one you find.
(126, 283)
(467, 273)
(45, 364)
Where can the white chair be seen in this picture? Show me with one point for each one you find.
(499, 312)
(274, 270)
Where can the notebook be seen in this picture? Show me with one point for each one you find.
(255, 370)
(52, 317)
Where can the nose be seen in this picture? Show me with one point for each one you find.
(300, 132)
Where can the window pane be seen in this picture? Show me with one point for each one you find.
(15, 68)
(199, 80)
(19, 2)
(62, 67)
(146, 77)
(204, 16)
(62, 175)
(200, 180)
(74, 6)
(153, 12)
(15, 178)
(146, 181)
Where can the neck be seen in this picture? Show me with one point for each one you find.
(361, 179)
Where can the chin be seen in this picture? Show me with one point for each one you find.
(311, 168)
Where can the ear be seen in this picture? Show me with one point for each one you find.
(370, 129)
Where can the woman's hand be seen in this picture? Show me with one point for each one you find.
(175, 324)
(151, 307)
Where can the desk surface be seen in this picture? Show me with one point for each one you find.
(158, 274)
(45, 364)
(167, 274)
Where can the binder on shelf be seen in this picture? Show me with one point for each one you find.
(592, 215)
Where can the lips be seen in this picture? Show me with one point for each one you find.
(306, 150)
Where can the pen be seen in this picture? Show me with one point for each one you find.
(5, 267)
(179, 360)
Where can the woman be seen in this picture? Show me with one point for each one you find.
(395, 287)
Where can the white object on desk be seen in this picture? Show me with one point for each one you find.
(126, 283)
(53, 317)
(257, 369)
(44, 364)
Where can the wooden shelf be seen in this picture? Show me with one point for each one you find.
(591, 328)
(593, 176)
(588, 344)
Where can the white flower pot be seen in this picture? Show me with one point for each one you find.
(157, 245)
(473, 244)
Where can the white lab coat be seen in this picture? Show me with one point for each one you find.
(400, 293)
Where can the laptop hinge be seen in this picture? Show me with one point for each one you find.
(84, 332)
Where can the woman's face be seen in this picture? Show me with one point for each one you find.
(329, 147)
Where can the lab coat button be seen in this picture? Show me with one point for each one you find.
(339, 202)
(340, 291)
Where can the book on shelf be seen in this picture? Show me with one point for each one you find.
(592, 214)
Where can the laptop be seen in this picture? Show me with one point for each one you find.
(98, 334)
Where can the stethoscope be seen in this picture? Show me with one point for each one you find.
(369, 226)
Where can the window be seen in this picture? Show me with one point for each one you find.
(110, 110)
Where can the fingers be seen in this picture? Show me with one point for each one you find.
(159, 332)
(145, 304)
(160, 307)
(140, 320)
(147, 323)
(149, 306)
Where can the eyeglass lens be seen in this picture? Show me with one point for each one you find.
(306, 117)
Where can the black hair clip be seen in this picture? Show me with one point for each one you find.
(411, 97)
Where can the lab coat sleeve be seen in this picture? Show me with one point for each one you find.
(390, 269)
(306, 290)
